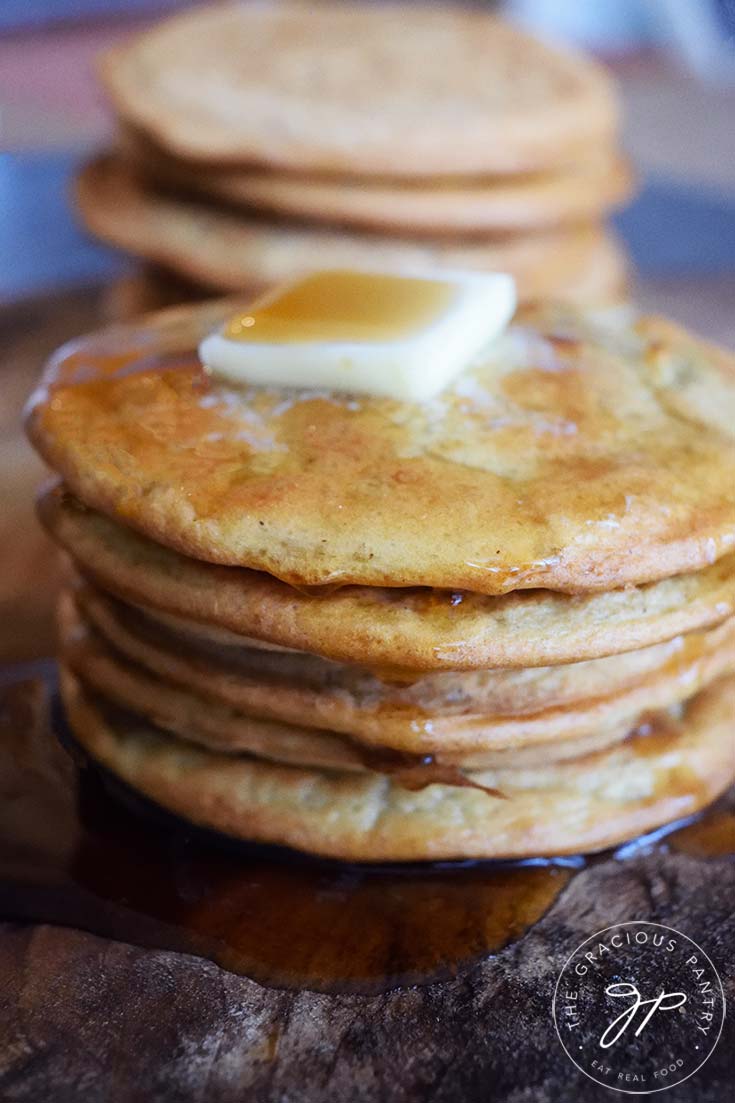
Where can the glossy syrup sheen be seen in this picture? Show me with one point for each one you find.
(78, 848)
(592, 476)
(343, 306)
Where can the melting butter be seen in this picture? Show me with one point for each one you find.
(401, 337)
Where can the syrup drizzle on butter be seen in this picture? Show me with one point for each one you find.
(343, 306)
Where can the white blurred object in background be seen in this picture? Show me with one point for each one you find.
(606, 26)
(704, 32)
(700, 32)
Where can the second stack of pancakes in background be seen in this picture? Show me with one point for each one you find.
(257, 141)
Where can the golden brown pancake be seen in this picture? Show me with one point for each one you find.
(184, 651)
(576, 193)
(217, 725)
(338, 87)
(575, 456)
(230, 249)
(401, 632)
(563, 808)
(169, 682)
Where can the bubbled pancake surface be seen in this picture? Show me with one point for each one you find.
(562, 808)
(230, 249)
(359, 88)
(405, 631)
(574, 456)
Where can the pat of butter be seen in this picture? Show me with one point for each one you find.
(386, 335)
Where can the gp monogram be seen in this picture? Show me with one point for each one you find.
(664, 1001)
(639, 1007)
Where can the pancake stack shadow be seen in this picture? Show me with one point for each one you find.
(532, 648)
(259, 141)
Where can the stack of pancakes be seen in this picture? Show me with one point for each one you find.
(495, 624)
(258, 141)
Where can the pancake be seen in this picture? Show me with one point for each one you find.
(198, 718)
(182, 651)
(145, 290)
(472, 742)
(402, 632)
(574, 456)
(230, 249)
(169, 682)
(217, 728)
(601, 282)
(582, 192)
(337, 87)
(564, 808)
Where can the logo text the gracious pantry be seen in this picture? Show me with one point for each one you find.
(639, 1007)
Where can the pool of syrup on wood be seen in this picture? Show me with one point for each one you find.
(80, 849)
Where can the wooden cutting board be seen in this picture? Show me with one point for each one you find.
(87, 1017)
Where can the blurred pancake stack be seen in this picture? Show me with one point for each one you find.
(260, 140)
(494, 624)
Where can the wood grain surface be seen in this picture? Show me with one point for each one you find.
(82, 1018)
(87, 1019)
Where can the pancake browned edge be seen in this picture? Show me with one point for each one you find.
(577, 193)
(173, 681)
(569, 807)
(405, 632)
(229, 249)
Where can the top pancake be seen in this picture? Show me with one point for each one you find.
(385, 89)
(574, 457)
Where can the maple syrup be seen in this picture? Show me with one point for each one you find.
(710, 836)
(79, 848)
(343, 306)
